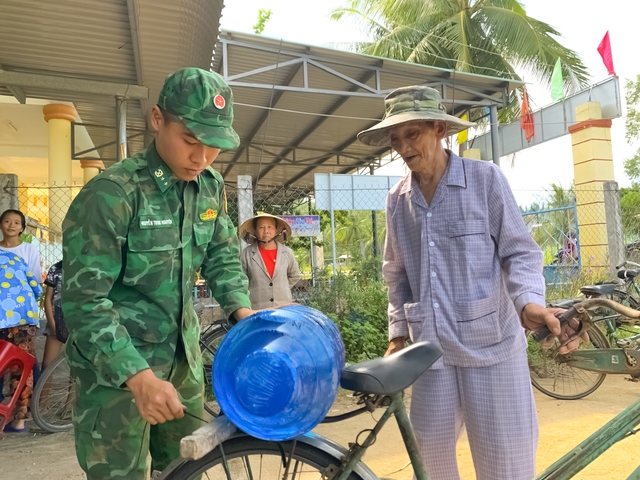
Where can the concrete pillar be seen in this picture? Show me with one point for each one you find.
(473, 153)
(245, 200)
(91, 168)
(592, 166)
(59, 118)
(9, 192)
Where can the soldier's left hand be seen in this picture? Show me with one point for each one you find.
(243, 313)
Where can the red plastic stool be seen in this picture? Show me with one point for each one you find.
(9, 353)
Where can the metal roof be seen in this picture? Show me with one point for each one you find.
(131, 43)
(298, 107)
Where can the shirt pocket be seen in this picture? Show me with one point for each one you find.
(478, 323)
(470, 246)
(152, 257)
(415, 314)
(202, 235)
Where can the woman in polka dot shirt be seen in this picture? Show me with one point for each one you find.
(19, 292)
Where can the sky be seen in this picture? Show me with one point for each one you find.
(582, 24)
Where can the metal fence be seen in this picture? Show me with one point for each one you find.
(575, 228)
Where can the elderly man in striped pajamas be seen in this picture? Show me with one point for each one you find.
(463, 273)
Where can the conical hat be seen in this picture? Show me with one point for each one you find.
(248, 232)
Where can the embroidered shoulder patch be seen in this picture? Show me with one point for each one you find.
(209, 215)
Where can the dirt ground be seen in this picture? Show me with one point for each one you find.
(563, 424)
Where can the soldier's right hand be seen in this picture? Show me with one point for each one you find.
(157, 400)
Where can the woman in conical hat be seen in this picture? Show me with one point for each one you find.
(270, 265)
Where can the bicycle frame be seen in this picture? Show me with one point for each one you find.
(581, 456)
(357, 450)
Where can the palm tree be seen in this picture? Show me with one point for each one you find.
(487, 37)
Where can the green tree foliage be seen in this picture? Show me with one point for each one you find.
(630, 212)
(359, 309)
(263, 18)
(630, 197)
(632, 126)
(487, 37)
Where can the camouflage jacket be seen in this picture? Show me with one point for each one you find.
(130, 252)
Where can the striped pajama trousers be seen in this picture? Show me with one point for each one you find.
(496, 406)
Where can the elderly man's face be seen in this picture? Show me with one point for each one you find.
(417, 142)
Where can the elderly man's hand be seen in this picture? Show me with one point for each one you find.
(395, 345)
(535, 317)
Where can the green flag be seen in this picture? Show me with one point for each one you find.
(557, 87)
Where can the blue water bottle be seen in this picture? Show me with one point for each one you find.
(276, 373)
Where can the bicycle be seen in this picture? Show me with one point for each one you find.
(218, 450)
(210, 339)
(553, 375)
(53, 397)
(238, 452)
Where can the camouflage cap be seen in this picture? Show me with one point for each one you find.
(407, 104)
(204, 103)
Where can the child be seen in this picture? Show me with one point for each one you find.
(56, 329)
(19, 291)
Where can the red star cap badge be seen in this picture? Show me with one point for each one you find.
(219, 101)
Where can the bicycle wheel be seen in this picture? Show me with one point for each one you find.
(209, 343)
(247, 458)
(53, 397)
(551, 375)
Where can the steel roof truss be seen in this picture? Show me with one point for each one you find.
(276, 98)
(265, 69)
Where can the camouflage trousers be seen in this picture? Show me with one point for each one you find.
(113, 441)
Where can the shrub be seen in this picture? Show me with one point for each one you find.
(359, 309)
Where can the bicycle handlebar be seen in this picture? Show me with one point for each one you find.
(628, 262)
(564, 317)
(568, 315)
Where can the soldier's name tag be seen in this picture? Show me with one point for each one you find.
(209, 215)
(155, 221)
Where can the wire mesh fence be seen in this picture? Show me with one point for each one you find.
(574, 227)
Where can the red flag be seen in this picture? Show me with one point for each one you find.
(604, 49)
(526, 117)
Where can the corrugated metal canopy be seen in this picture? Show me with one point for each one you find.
(130, 42)
(298, 108)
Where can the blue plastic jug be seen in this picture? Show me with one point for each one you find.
(276, 373)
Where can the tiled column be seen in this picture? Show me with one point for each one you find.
(59, 117)
(592, 165)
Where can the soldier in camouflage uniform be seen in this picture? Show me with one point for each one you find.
(133, 239)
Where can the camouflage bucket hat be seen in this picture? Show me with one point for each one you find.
(408, 104)
(204, 104)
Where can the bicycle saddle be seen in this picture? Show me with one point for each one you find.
(391, 374)
(623, 274)
(605, 289)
